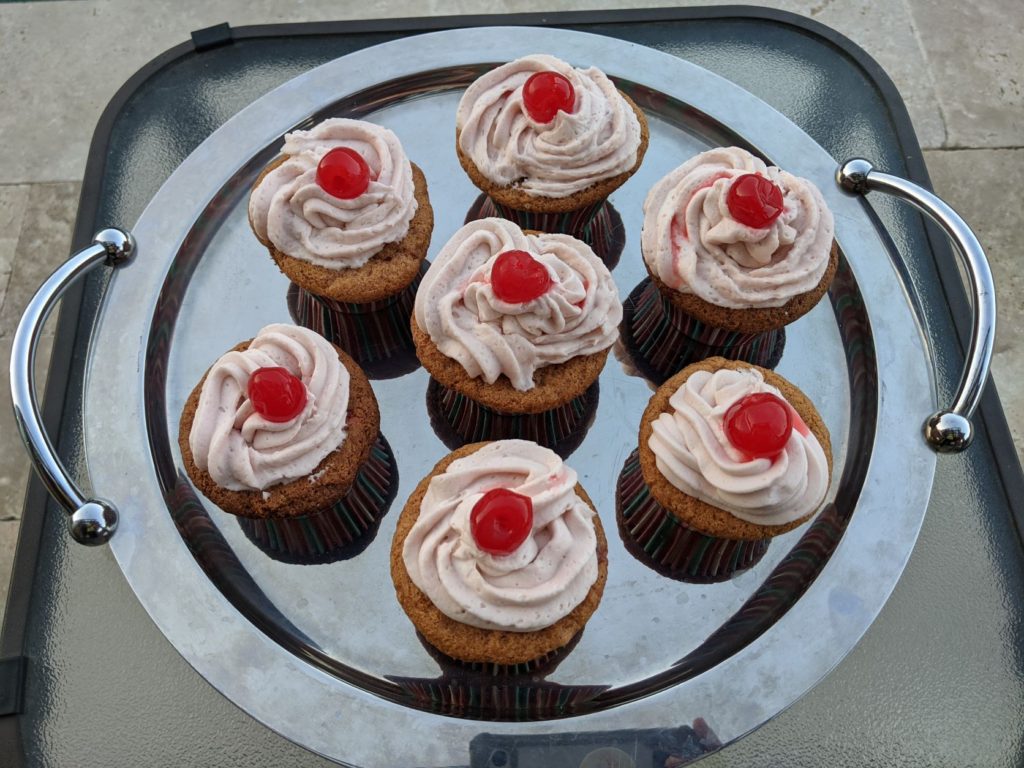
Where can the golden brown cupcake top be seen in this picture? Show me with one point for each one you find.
(310, 210)
(502, 541)
(270, 413)
(552, 135)
(502, 302)
(735, 232)
(731, 439)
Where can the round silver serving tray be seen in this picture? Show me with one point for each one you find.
(323, 654)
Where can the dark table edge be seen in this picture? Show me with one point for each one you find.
(71, 340)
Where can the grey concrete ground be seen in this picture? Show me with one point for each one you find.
(959, 67)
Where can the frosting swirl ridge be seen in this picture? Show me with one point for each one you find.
(692, 243)
(242, 450)
(289, 209)
(597, 141)
(543, 580)
(456, 304)
(694, 454)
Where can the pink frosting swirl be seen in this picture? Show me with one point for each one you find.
(457, 307)
(693, 453)
(293, 212)
(242, 450)
(599, 139)
(543, 580)
(692, 244)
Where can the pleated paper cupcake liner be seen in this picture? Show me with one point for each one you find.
(663, 542)
(339, 532)
(458, 420)
(492, 699)
(496, 691)
(662, 339)
(598, 225)
(375, 334)
(541, 665)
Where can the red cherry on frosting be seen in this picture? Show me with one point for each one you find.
(343, 173)
(759, 425)
(501, 520)
(754, 200)
(547, 93)
(276, 394)
(517, 277)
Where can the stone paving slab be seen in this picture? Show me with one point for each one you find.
(13, 201)
(13, 460)
(8, 542)
(976, 56)
(43, 244)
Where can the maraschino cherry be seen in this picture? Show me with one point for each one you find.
(517, 277)
(276, 394)
(754, 200)
(501, 521)
(759, 425)
(343, 173)
(547, 93)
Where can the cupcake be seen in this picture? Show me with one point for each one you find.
(736, 250)
(730, 455)
(347, 219)
(283, 432)
(499, 556)
(515, 323)
(547, 143)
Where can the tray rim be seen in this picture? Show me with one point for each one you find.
(121, 550)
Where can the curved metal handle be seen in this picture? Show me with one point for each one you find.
(93, 521)
(950, 430)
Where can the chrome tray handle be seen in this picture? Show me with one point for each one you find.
(93, 521)
(950, 430)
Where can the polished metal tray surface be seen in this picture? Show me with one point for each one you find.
(323, 653)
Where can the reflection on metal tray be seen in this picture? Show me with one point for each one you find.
(323, 653)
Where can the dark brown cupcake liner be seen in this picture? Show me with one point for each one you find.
(517, 700)
(488, 691)
(662, 339)
(458, 420)
(542, 664)
(663, 542)
(598, 225)
(339, 532)
(376, 334)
